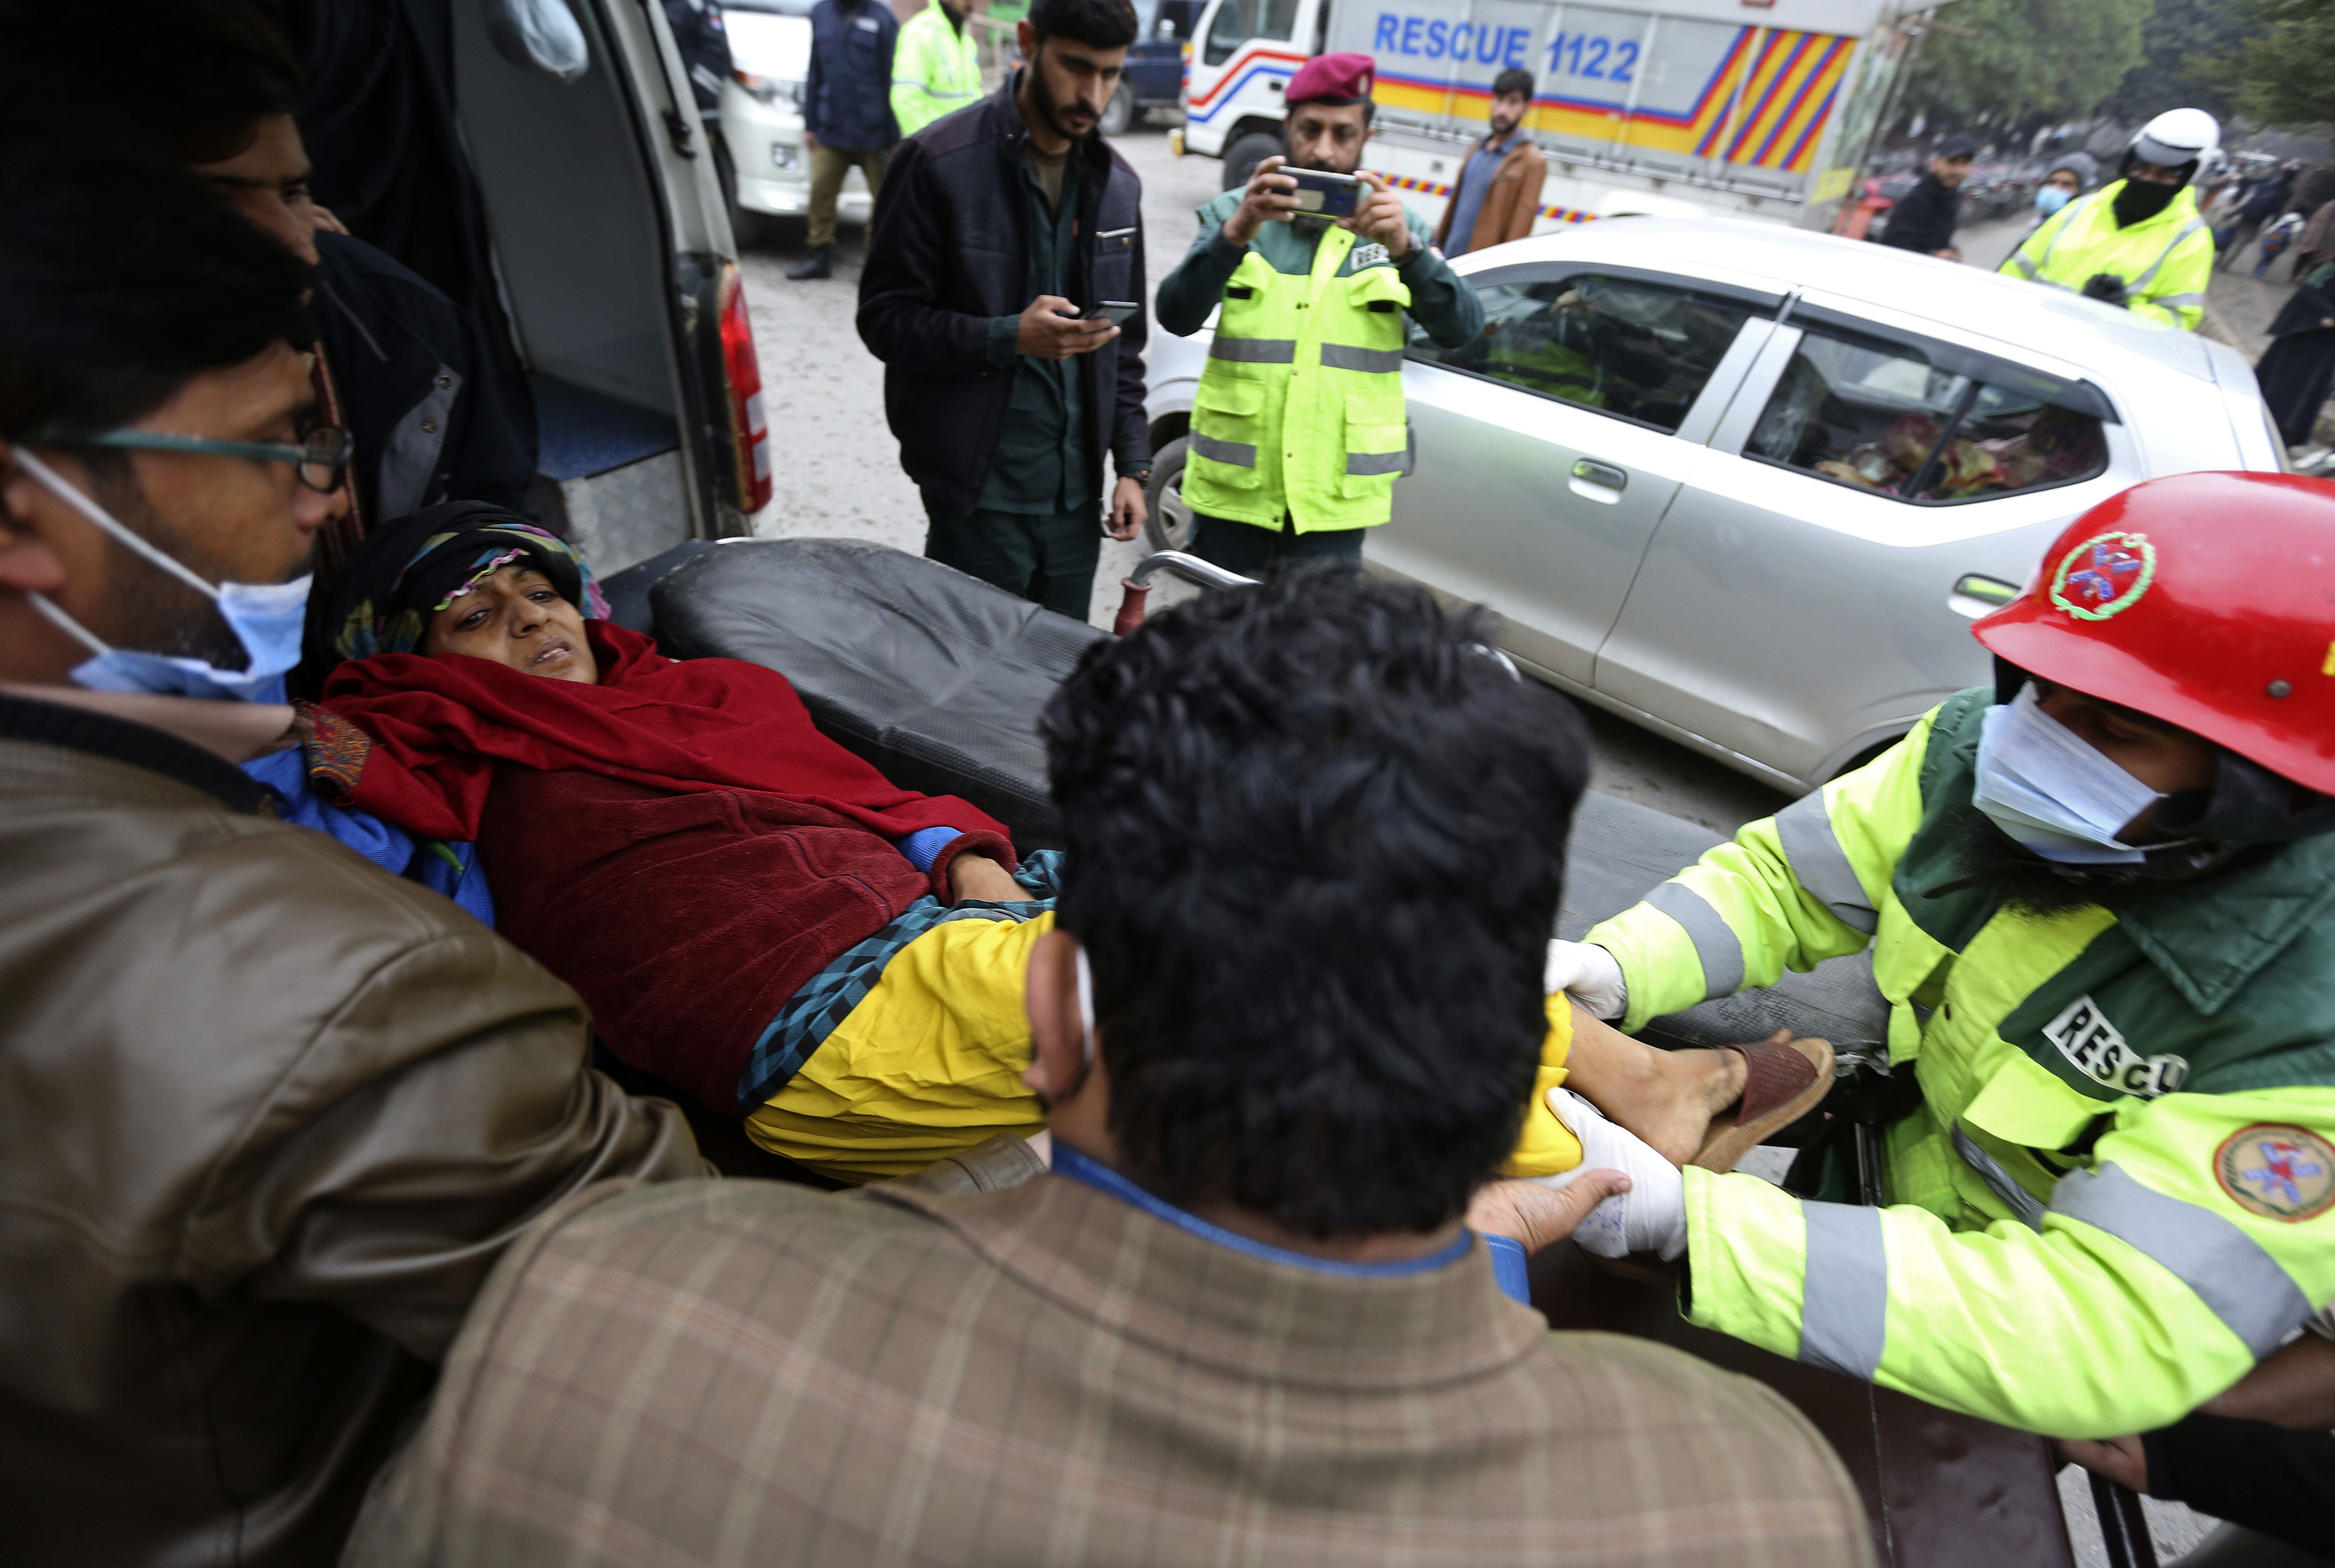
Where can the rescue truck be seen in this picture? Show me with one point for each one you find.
(1759, 108)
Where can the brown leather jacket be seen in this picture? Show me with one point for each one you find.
(1509, 207)
(267, 1117)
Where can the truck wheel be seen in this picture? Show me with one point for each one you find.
(1120, 112)
(1246, 154)
(1169, 526)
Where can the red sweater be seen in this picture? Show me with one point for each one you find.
(678, 843)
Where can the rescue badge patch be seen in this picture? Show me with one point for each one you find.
(1370, 254)
(2105, 575)
(2280, 1173)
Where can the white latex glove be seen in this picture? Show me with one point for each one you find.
(1651, 1217)
(1592, 976)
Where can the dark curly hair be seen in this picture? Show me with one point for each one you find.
(1316, 838)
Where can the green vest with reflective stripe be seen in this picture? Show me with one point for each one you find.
(2166, 261)
(935, 69)
(1300, 409)
(2118, 1191)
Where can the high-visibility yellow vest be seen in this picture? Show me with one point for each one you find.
(2118, 1192)
(1300, 410)
(2166, 261)
(935, 69)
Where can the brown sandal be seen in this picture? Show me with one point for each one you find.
(1784, 1079)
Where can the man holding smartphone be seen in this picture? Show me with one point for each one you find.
(1001, 292)
(1298, 431)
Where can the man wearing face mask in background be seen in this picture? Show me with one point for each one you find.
(272, 1116)
(2098, 901)
(2070, 176)
(2138, 241)
(1298, 433)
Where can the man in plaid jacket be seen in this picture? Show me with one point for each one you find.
(1285, 1030)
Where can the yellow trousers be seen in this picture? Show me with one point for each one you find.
(930, 1064)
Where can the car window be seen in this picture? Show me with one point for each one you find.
(1622, 346)
(1238, 21)
(1880, 415)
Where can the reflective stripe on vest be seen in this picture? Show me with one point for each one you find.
(1299, 411)
(2256, 1300)
(1844, 1290)
(1821, 865)
(2023, 1203)
(1715, 942)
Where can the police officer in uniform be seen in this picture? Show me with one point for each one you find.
(2100, 900)
(1298, 432)
(2138, 241)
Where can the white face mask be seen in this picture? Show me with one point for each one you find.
(2046, 786)
(266, 618)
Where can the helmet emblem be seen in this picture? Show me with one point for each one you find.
(2105, 575)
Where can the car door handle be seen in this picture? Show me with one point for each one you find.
(1598, 481)
(1974, 595)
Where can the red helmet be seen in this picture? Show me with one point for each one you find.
(2205, 600)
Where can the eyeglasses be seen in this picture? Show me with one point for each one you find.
(321, 459)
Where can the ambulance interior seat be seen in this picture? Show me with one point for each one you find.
(938, 679)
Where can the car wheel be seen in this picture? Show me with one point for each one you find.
(1170, 525)
(1120, 112)
(1244, 154)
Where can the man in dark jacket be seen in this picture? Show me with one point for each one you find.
(846, 113)
(1924, 217)
(1008, 223)
(272, 1116)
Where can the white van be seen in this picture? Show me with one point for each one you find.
(1759, 108)
(612, 260)
(761, 114)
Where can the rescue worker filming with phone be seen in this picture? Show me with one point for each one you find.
(2139, 240)
(1298, 432)
(2100, 899)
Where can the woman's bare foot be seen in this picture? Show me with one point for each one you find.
(1665, 1097)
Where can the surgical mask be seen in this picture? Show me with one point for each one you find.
(266, 618)
(2051, 199)
(2041, 783)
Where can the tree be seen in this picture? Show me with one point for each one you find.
(2285, 74)
(2020, 60)
(2190, 49)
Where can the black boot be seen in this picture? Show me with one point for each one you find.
(819, 263)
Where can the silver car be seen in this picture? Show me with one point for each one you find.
(1747, 485)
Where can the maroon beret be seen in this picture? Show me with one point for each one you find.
(1332, 79)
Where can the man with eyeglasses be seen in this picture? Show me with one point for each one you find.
(271, 1116)
(214, 85)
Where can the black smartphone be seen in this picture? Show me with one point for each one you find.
(1114, 311)
(1325, 194)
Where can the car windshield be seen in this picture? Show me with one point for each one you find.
(1879, 416)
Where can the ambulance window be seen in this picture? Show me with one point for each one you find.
(1906, 421)
(1238, 21)
(1624, 347)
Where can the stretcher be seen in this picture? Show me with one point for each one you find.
(939, 680)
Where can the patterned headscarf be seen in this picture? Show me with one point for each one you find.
(402, 575)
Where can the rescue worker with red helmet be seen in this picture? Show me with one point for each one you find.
(2100, 901)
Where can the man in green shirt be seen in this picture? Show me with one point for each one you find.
(1007, 226)
(936, 69)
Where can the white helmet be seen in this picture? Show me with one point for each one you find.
(2176, 136)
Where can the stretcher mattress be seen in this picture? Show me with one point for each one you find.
(938, 679)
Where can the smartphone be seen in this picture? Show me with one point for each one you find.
(1114, 311)
(1325, 194)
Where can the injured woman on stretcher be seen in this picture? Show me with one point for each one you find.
(756, 915)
